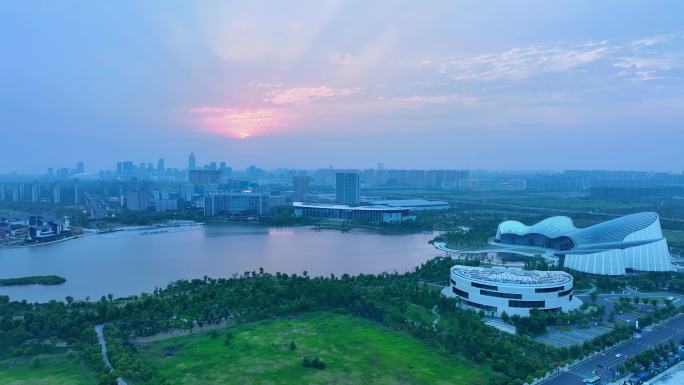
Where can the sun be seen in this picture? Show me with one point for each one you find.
(241, 123)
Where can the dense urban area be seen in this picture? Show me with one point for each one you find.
(609, 325)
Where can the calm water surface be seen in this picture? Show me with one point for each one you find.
(130, 263)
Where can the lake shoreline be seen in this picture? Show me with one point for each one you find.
(137, 260)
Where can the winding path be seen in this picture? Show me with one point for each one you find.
(434, 323)
(99, 329)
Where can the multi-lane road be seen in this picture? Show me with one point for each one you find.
(604, 363)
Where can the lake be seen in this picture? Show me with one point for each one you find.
(132, 262)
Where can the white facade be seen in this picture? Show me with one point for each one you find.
(632, 242)
(355, 213)
(513, 291)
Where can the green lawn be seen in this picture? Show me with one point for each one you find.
(355, 351)
(63, 369)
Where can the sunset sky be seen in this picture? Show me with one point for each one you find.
(414, 84)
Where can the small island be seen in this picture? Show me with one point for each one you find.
(33, 280)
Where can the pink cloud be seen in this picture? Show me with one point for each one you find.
(240, 122)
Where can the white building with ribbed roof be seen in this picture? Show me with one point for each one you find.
(630, 243)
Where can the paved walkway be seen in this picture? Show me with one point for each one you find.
(99, 329)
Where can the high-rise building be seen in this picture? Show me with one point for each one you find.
(300, 186)
(80, 167)
(225, 171)
(127, 169)
(187, 192)
(192, 162)
(77, 186)
(35, 192)
(137, 200)
(347, 188)
(160, 165)
(204, 177)
(63, 173)
(56, 194)
(2, 192)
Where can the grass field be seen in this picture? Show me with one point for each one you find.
(355, 351)
(63, 369)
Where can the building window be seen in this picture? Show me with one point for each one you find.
(564, 293)
(548, 289)
(480, 306)
(500, 295)
(459, 292)
(483, 286)
(526, 304)
(453, 282)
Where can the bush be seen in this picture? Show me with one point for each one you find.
(313, 363)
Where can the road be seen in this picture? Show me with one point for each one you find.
(99, 329)
(436, 321)
(96, 209)
(672, 330)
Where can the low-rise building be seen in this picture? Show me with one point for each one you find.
(352, 213)
(47, 230)
(412, 204)
(629, 243)
(240, 203)
(513, 291)
(162, 205)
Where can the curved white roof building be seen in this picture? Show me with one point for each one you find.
(632, 242)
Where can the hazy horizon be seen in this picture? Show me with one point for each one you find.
(499, 85)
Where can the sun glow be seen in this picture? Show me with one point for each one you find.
(240, 123)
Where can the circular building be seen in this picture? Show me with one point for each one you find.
(499, 290)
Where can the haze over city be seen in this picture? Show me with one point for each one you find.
(286, 192)
(453, 84)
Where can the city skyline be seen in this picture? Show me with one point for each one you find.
(345, 83)
(63, 171)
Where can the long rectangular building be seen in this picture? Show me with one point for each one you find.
(352, 213)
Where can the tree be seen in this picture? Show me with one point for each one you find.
(293, 346)
(593, 296)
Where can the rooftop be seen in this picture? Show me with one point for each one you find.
(409, 203)
(512, 276)
(346, 207)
